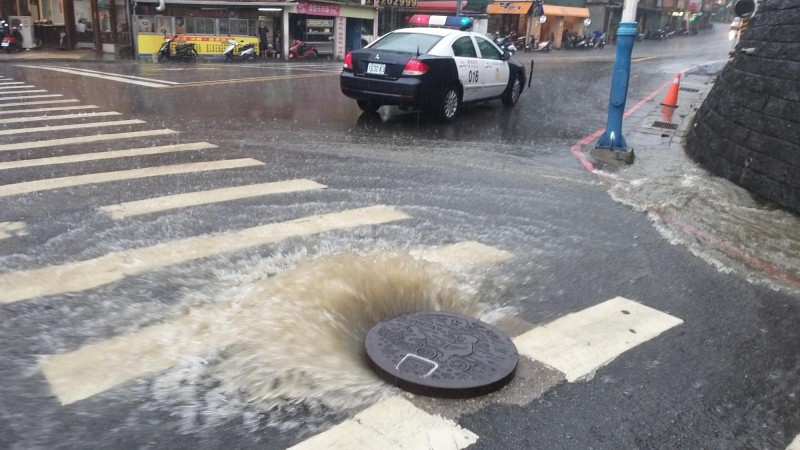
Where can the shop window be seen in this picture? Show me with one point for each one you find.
(203, 25)
(239, 27)
(163, 25)
(145, 24)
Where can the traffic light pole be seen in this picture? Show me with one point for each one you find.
(611, 146)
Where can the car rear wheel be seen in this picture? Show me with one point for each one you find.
(449, 104)
(368, 106)
(513, 91)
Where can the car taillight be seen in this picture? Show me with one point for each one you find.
(415, 67)
(348, 62)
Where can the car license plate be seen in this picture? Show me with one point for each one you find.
(5, 44)
(378, 69)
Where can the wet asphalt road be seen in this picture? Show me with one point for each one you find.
(727, 377)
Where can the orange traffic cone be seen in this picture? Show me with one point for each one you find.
(671, 99)
(666, 113)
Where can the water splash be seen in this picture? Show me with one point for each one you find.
(290, 349)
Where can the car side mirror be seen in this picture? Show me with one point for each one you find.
(506, 56)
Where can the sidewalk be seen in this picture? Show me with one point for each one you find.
(715, 219)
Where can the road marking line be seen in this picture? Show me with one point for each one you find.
(70, 127)
(9, 229)
(87, 274)
(130, 77)
(55, 108)
(580, 343)
(9, 83)
(166, 203)
(795, 445)
(97, 367)
(40, 102)
(106, 155)
(101, 75)
(392, 424)
(60, 117)
(250, 80)
(30, 96)
(85, 139)
(466, 255)
(27, 187)
(30, 91)
(3, 86)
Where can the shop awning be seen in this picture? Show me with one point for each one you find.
(509, 8)
(439, 5)
(566, 11)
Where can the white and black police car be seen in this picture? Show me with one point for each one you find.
(434, 69)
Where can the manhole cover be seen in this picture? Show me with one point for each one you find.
(441, 354)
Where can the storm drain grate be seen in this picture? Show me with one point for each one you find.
(690, 89)
(665, 125)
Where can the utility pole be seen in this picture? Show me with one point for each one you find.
(611, 147)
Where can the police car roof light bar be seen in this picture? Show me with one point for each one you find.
(425, 20)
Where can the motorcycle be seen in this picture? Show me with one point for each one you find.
(300, 50)
(504, 43)
(599, 41)
(247, 52)
(518, 41)
(12, 38)
(539, 46)
(183, 52)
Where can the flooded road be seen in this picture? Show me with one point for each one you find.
(203, 274)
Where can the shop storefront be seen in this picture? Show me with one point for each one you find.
(553, 22)
(510, 17)
(332, 28)
(67, 24)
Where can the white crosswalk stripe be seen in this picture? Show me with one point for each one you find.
(105, 177)
(161, 204)
(70, 127)
(83, 157)
(85, 139)
(6, 112)
(580, 343)
(40, 102)
(22, 91)
(60, 117)
(23, 97)
(11, 229)
(87, 274)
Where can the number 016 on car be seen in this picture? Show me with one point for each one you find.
(376, 68)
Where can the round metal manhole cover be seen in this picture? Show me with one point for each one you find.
(441, 354)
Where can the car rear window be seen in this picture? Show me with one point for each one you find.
(407, 42)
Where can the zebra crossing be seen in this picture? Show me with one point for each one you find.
(604, 331)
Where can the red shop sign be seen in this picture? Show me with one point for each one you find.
(317, 9)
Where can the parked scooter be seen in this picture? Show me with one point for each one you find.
(504, 43)
(183, 52)
(12, 38)
(247, 52)
(539, 46)
(299, 50)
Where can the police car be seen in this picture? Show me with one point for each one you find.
(435, 69)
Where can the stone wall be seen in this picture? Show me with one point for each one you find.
(748, 128)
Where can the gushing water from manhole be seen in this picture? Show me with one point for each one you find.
(298, 338)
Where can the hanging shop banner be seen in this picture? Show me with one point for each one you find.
(520, 8)
(317, 9)
(205, 45)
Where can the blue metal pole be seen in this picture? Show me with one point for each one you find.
(612, 138)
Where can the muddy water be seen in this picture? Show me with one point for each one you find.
(715, 219)
(290, 349)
